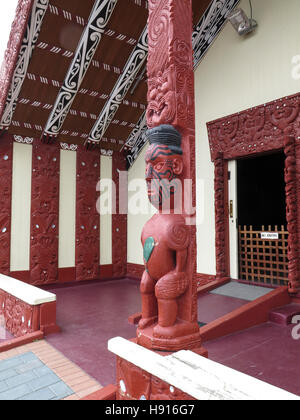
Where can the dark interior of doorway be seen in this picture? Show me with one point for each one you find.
(261, 191)
(262, 207)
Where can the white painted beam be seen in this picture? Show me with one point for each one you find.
(25, 292)
(197, 376)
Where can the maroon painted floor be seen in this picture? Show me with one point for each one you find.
(212, 306)
(90, 314)
(267, 352)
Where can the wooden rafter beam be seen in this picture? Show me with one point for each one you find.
(88, 44)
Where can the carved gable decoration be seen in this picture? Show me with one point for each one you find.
(256, 130)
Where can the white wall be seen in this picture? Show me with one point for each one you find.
(67, 209)
(236, 73)
(106, 219)
(137, 197)
(21, 207)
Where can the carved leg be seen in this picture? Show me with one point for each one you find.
(167, 312)
(149, 303)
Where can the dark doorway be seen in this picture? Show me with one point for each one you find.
(261, 191)
(263, 236)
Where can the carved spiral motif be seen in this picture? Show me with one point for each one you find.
(159, 28)
(178, 236)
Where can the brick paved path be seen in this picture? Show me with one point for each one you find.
(37, 371)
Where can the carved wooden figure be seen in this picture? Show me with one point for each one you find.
(166, 239)
(168, 286)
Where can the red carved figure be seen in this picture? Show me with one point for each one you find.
(166, 240)
(168, 286)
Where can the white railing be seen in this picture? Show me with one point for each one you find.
(197, 376)
(25, 292)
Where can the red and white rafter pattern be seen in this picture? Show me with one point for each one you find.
(81, 21)
(70, 54)
(32, 126)
(142, 3)
(83, 91)
(69, 147)
(74, 112)
(24, 140)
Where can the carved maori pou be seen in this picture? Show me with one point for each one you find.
(168, 286)
(166, 240)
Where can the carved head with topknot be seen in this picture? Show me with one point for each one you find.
(164, 165)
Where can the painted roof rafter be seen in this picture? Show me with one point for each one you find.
(130, 72)
(88, 44)
(79, 90)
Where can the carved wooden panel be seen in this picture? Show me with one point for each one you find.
(44, 214)
(20, 318)
(87, 217)
(119, 221)
(256, 130)
(134, 383)
(6, 154)
(292, 202)
(220, 220)
(265, 128)
(170, 64)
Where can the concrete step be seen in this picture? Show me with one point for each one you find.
(284, 315)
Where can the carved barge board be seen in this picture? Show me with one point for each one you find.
(87, 254)
(24, 35)
(44, 214)
(6, 156)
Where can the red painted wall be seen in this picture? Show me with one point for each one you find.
(6, 153)
(87, 217)
(44, 214)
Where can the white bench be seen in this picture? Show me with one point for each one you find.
(25, 292)
(197, 376)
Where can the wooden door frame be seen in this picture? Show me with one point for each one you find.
(269, 127)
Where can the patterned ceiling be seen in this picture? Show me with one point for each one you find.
(80, 75)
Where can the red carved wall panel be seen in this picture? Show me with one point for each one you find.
(87, 217)
(266, 128)
(119, 221)
(6, 153)
(135, 270)
(136, 384)
(20, 318)
(44, 213)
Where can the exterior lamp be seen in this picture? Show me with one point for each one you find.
(240, 21)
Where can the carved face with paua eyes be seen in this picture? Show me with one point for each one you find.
(164, 164)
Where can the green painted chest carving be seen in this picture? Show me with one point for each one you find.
(148, 248)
